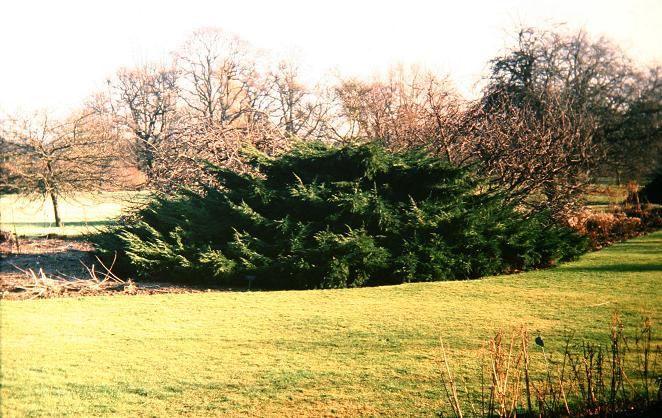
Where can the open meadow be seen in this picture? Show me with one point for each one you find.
(350, 352)
(82, 214)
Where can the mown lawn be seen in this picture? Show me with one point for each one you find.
(81, 214)
(354, 352)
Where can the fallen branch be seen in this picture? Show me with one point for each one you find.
(43, 286)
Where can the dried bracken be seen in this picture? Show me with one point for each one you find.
(606, 228)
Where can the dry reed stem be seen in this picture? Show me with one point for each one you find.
(453, 398)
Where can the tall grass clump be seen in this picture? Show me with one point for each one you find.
(327, 217)
(517, 377)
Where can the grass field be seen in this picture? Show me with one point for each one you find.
(605, 197)
(353, 352)
(79, 215)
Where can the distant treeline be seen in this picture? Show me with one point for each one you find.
(556, 109)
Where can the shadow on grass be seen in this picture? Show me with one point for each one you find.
(615, 268)
(648, 246)
(648, 243)
(64, 224)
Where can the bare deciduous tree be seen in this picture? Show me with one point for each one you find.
(540, 157)
(593, 77)
(633, 137)
(410, 108)
(144, 100)
(220, 82)
(298, 110)
(47, 158)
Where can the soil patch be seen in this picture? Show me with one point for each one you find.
(58, 264)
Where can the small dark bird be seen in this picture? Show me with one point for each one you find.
(539, 341)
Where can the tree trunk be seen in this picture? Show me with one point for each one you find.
(618, 177)
(58, 221)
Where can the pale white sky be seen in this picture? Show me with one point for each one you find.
(54, 53)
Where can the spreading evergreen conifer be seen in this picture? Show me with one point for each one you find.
(326, 217)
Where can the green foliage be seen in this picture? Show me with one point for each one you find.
(336, 217)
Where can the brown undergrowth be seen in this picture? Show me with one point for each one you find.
(607, 228)
(622, 378)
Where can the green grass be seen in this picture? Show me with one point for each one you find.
(604, 197)
(352, 352)
(80, 215)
